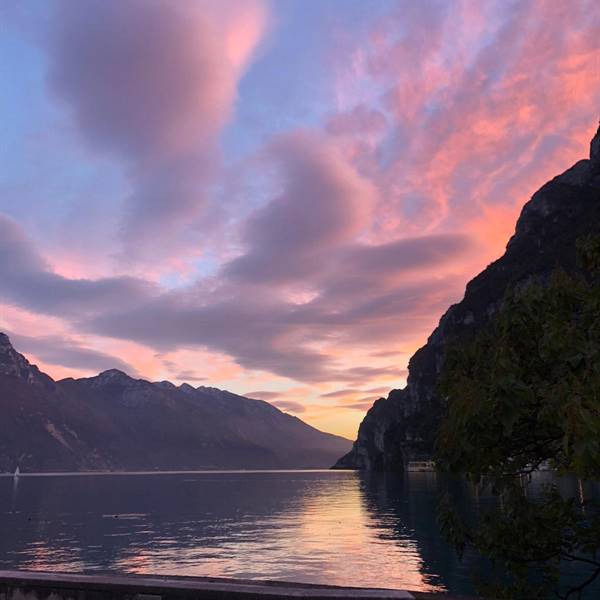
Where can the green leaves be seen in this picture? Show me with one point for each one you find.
(523, 391)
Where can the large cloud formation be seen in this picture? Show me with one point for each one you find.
(324, 203)
(58, 350)
(154, 82)
(28, 281)
(304, 237)
(324, 232)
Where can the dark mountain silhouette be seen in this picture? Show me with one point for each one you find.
(401, 427)
(115, 422)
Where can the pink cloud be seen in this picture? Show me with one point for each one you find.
(29, 281)
(154, 82)
(498, 102)
(324, 203)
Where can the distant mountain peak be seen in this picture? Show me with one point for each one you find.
(111, 377)
(16, 365)
(165, 385)
(113, 373)
(187, 388)
(595, 151)
(7, 352)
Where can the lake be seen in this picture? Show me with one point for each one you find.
(334, 527)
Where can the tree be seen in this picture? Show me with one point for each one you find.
(523, 392)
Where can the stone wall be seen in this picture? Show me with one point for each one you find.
(19, 585)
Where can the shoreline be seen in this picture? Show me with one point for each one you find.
(175, 472)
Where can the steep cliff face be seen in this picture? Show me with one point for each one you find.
(401, 427)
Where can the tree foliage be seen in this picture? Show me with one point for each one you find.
(525, 392)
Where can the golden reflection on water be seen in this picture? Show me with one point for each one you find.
(322, 527)
(325, 535)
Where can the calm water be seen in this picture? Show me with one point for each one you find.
(330, 527)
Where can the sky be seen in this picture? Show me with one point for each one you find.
(279, 198)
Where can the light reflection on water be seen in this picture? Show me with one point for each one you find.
(328, 527)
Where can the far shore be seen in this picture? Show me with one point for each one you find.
(181, 472)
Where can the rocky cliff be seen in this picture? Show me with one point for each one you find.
(115, 422)
(402, 426)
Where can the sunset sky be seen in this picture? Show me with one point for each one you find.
(275, 198)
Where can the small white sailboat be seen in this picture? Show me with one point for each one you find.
(17, 472)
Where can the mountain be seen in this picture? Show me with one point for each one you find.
(401, 427)
(115, 422)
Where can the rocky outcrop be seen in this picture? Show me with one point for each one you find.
(13, 364)
(402, 426)
(115, 422)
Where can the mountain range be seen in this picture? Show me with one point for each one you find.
(117, 423)
(402, 426)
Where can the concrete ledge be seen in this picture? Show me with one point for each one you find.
(30, 585)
